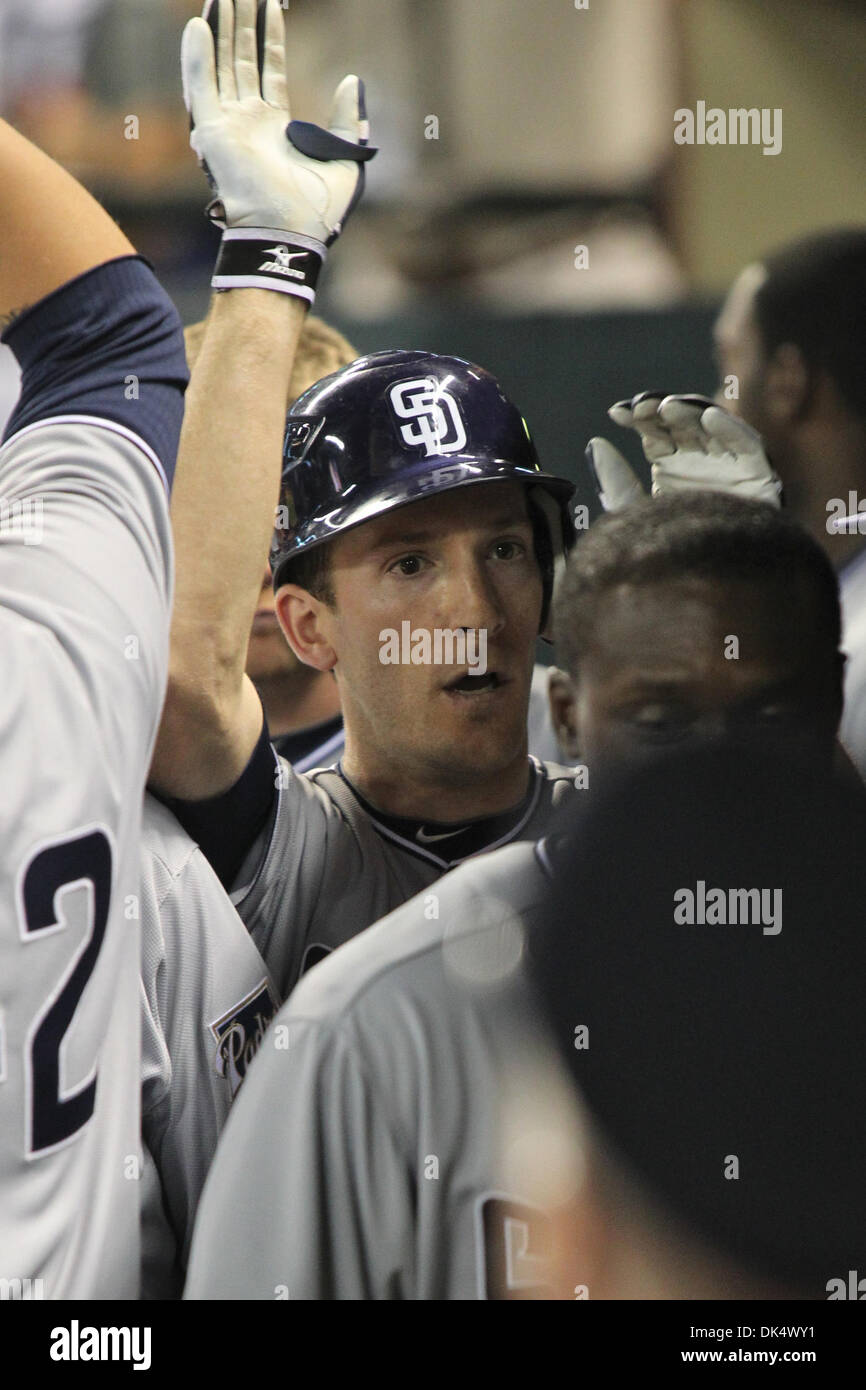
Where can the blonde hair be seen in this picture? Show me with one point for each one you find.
(321, 350)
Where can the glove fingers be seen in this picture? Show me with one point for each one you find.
(654, 433)
(614, 479)
(246, 55)
(220, 15)
(641, 414)
(275, 88)
(683, 420)
(348, 117)
(728, 434)
(623, 412)
(198, 69)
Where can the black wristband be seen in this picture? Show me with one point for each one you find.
(263, 259)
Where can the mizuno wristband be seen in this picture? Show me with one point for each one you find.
(263, 259)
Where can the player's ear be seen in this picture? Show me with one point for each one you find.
(563, 711)
(304, 620)
(788, 384)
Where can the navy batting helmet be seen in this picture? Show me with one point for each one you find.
(394, 428)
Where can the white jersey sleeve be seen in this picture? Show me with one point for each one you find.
(85, 580)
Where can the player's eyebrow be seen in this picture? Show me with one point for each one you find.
(637, 686)
(504, 522)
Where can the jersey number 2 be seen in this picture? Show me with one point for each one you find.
(84, 859)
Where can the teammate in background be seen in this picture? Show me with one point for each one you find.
(721, 1078)
(380, 1081)
(436, 764)
(85, 581)
(790, 344)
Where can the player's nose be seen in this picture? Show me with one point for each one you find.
(472, 599)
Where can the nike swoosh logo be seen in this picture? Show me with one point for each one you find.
(424, 839)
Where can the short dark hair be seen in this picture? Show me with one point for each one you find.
(815, 297)
(710, 535)
(310, 570)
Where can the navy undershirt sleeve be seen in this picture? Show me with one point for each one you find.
(108, 343)
(226, 826)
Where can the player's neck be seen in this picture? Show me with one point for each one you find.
(298, 699)
(395, 791)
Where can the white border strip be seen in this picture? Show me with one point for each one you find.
(261, 282)
(112, 425)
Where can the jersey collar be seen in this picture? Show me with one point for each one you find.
(448, 844)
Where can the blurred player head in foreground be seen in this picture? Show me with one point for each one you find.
(695, 618)
(413, 505)
(790, 344)
(293, 695)
(722, 1068)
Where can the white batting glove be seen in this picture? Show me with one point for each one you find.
(691, 443)
(269, 174)
(615, 481)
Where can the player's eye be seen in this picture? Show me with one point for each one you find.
(660, 722)
(509, 550)
(407, 565)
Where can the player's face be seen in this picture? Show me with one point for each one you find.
(740, 353)
(688, 660)
(464, 559)
(269, 655)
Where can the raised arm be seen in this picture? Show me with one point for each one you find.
(282, 190)
(51, 229)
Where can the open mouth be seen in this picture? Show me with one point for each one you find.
(475, 685)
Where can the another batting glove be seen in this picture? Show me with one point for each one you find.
(691, 443)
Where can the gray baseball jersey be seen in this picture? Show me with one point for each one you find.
(207, 1002)
(330, 865)
(365, 1157)
(85, 579)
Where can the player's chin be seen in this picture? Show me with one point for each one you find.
(484, 725)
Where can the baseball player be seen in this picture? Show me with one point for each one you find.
(721, 1088)
(436, 764)
(789, 343)
(207, 995)
(381, 1080)
(85, 579)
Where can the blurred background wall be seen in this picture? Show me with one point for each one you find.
(530, 208)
